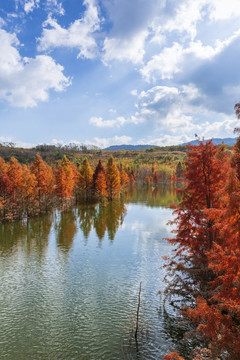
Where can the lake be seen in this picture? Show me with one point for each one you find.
(70, 281)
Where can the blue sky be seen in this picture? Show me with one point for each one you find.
(109, 72)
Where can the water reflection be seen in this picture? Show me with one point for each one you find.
(30, 234)
(66, 229)
(60, 276)
(163, 196)
(104, 218)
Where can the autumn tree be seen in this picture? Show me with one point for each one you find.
(99, 180)
(28, 190)
(197, 234)
(14, 173)
(44, 177)
(65, 179)
(124, 179)
(113, 179)
(217, 316)
(85, 177)
(6, 187)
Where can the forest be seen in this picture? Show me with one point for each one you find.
(29, 189)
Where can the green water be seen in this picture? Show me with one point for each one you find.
(70, 281)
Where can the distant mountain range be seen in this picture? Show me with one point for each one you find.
(216, 141)
(128, 147)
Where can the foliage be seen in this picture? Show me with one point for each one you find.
(205, 267)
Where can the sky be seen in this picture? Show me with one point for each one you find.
(108, 72)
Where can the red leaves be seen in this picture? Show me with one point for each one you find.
(208, 245)
(173, 356)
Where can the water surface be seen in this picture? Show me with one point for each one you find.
(70, 281)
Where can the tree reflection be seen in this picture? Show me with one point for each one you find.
(103, 217)
(66, 229)
(86, 214)
(30, 233)
(154, 197)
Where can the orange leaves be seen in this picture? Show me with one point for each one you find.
(173, 356)
(113, 178)
(27, 190)
(85, 178)
(44, 176)
(65, 179)
(208, 246)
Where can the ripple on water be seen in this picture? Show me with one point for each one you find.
(78, 300)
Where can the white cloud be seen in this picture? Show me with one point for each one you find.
(96, 141)
(164, 65)
(125, 49)
(29, 6)
(55, 6)
(9, 139)
(105, 142)
(134, 92)
(223, 9)
(166, 140)
(79, 35)
(222, 129)
(169, 108)
(26, 81)
(172, 59)
(188, 14)
(99, 122)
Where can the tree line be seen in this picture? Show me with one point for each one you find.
(204, 269)
(27, 190)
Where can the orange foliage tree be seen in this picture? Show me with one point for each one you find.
(44, 177)
(28, 190)
(113, 179)
(99, 180)
(199, 234)
(65, 179)
(14, 173)
(85, 177)
(124, 179)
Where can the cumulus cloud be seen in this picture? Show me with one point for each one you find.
(99, 122)
(26, 81)
(105, 142)
(125, 49)
(222, 9)
(166, 140)
(79, 35)
(172, 59)
(9, 139)
(166, 106)
(96, 141)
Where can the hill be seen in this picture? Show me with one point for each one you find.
(128, 147)
(216, 141)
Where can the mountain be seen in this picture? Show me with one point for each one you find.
(216, 141)
(128, 147)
